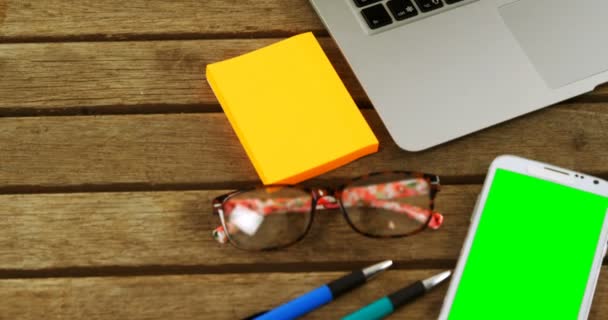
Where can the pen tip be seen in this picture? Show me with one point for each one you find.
(377, 268)
(435, 280)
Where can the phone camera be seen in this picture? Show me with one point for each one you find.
(596, 182)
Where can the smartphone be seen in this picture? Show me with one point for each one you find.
(535, 246)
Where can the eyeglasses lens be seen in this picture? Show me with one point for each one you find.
(267, 218)
(388, 205)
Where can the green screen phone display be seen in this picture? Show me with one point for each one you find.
(532, 253)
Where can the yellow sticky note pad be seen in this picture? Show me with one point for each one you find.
(291, 111)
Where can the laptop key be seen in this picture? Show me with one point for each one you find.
(376, 16)
(452, 1)
(402, 9)
(363, 3)
(429, 5)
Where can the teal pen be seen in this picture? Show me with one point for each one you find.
(387, 305)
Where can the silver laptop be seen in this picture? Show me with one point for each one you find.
(436, 70)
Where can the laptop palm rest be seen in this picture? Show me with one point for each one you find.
(564, 39)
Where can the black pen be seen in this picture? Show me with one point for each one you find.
(383, 307)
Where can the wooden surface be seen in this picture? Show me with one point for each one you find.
(112, 146)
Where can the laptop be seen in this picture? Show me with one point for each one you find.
(436, 70)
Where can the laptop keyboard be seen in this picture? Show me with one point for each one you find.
(379, 14)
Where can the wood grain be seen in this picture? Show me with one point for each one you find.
(212, 297)
(114, 19)
(3, 8)
(73, 246)
(123, 77)
(104, 230)
(201, 150)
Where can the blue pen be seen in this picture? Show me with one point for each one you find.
(384, 307)
(324, 294)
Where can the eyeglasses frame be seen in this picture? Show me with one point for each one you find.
(336, 193)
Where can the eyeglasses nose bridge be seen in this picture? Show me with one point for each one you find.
(326, 198)
(324, 192)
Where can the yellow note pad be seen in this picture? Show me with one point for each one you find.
(291, 111)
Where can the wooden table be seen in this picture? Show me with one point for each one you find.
(112, 145)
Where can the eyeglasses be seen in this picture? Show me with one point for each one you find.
(379, 205)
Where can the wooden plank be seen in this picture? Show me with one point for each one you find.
(123, 74)
(154, 76)
(213, 296)
(58, 231)
(114, 19)
(599, 94)
(201, 150)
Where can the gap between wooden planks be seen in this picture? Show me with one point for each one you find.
(214, 296)
(133, 77)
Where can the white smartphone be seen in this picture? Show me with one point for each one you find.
(535, 246)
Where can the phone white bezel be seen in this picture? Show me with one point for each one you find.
(546, 172)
